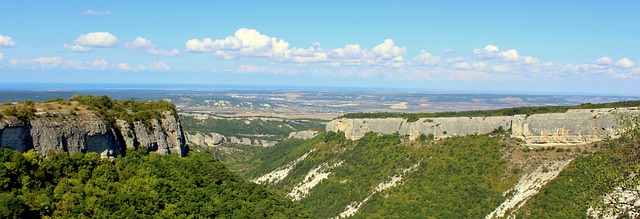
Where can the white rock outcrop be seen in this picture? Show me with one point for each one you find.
(576, 126)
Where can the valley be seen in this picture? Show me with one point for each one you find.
(471, 164)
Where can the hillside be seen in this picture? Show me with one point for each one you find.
(138, 185)
(474, 176)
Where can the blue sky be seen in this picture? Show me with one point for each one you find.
(453, 46)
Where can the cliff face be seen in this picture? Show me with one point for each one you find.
(89, 133)
(214, 139)
(573, 127)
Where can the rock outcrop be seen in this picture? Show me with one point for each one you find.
(89, 133)
(308, 134)
(576, 126)
(214, 139)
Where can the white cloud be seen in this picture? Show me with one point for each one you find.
(124, 66)
(98, 39)
(426, 58)
(143, 45)
(160, 66)
(139, 43)
(622, 69)
(1, 56)
(77, 48)
(312, 54)
(159, 52)
(248, 68)
(6, 41)
(479, 65)
(455, 59)
(251, 43)
(624, 63)
(510, 55)
(604, 61)
(501, 68)
(85, 42)
(87, 65)
(90, 12)
(462, 65)
(467, 75)
(41, 62)
(245, 42)
(388, 50)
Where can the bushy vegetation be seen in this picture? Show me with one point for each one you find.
(139, 185)
(128, 110)
(23, 111)
(255, 128)
(458, 177)
(412, 117)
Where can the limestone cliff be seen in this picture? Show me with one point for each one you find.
(89, 133)
(215, 139)
(573, 127)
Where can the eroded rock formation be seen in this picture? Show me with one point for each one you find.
(576, 126)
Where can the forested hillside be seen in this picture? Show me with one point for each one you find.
(138, 185)
(390, 176)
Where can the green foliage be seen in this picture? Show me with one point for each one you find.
(128, 110)
(255, 128)
(22, 112)
(139, 185)
(412, 117)
(456, 177)
(281, 154)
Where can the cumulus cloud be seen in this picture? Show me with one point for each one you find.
(621, 69)
(6, 41)
(624, 63)
(85, 42)
(143, 45)
(245, 42)
(90, 12)
(139, 43)
(604, 61)
(251, 43)
(462, 65)
(491, 52)
(98, 39)
(426, 58)
(479, 65)
(388, 50)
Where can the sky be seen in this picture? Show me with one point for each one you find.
(541, 47)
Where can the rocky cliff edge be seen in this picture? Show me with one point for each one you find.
(89, 133)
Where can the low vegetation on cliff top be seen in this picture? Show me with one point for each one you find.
(103, 106)
(530, 110)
